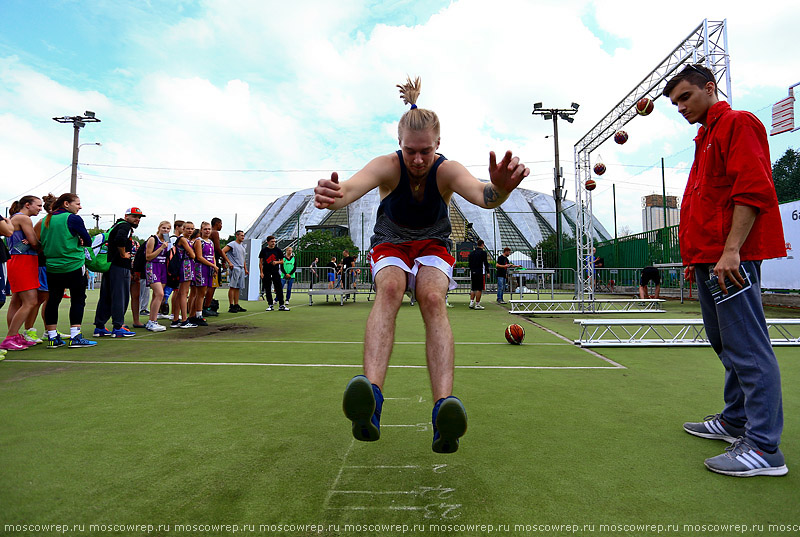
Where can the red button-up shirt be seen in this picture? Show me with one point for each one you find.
(731, 167)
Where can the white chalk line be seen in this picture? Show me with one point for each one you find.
(329, 342)
(259, 364)
(590, 351)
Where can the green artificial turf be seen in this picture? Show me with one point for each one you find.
(218, 425)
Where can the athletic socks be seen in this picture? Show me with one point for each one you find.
(74, 331)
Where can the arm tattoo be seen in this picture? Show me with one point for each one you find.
(490, 195)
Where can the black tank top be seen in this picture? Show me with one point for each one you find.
(405, 211)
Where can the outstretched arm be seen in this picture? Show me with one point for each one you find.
(504, 177)
(330, 194)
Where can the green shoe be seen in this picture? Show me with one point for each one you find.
(362, 404)
(449, 424)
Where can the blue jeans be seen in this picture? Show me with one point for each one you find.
(738, 333)
(501, 287)
(287, 283)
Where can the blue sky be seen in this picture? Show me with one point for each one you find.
(215, 108)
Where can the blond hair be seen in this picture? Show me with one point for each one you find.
(416, 119)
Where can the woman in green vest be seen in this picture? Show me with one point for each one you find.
(63, 236)
(287, 271)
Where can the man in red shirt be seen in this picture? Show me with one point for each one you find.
(729, 223)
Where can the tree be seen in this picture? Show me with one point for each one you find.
(786, 175)
(322, 242)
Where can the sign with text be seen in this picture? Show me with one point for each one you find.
(784, 272)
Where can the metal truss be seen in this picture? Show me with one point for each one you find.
(669, 332)
(610, 305)
(707, 44)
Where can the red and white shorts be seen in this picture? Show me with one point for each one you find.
(409, 256)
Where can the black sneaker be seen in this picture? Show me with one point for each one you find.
(233, 309)
(200, 321)
(175, 324)
(240, 309)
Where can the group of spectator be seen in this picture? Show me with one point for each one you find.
(278, 271)
(46, 260)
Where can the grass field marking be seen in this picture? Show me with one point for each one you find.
(328, 342)
(387, 467)
(339, 475)
(443, 492)
(559, 336)
(421, 427)
(259, 364)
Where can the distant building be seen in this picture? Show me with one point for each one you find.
(653, 212)
(525, 219)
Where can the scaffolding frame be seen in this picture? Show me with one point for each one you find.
(669, 332)
(707, 44)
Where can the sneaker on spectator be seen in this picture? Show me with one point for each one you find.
(55, 342)
(11, 344)
(362, 404)
(283, 307)
(78, 342)
(187, 324)
(449, 424)
(478, 306)
(19, 338)
(269, 308)
(175, 324)
(240, 309)
(32, 335)
(144, 311)
(162, 316)
(155, 327)
(742, 459)
(122, 332)
(101, 331)
(199, 321)
(715, 428)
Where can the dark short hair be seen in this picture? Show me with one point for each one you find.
(506, 249)
(238, 231)
(271, 237)
(480, 242)
(697, 74)
(215, 221)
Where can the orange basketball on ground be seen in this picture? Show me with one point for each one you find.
(515, 334)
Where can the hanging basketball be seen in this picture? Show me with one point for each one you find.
(621, 137)
(599, 168)
(590, 184)
(644, 106)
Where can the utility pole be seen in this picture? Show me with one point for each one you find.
(558, 192)
(78, 122)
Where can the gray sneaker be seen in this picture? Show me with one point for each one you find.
(741, 459)
(714, 427)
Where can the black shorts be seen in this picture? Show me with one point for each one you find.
(477, 281)
(650, 274)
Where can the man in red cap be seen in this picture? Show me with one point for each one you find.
(115, 287)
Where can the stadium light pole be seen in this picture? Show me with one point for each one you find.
(558, 192)
(78, 122)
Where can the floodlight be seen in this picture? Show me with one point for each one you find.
(576, 106)
(537, 106)
(89, 113)
(548, 117)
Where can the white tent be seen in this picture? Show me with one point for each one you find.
(518, 258)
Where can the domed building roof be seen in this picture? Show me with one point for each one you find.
(525, 219)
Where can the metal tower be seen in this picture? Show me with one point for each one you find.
(707, 44)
